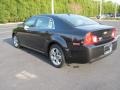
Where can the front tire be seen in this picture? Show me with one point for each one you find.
(56, 56)
(16, 42)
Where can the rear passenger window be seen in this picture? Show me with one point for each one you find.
(45, 23)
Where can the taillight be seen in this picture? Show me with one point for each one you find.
(90, 39)
(113, 33)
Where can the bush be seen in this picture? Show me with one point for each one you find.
(19, 10)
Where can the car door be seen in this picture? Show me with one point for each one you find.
(25, 34)
(40, 34)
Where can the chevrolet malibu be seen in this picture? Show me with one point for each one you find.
(66, 37)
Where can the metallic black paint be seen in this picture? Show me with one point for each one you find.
(64, 35)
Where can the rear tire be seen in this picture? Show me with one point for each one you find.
(16, 42)
(56, 56)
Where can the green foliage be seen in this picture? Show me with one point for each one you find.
(19, 10)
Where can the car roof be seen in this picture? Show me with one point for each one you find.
(57, 15)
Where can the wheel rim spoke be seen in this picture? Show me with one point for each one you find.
(59, 57)
(56, 56)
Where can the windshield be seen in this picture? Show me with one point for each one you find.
(77, 20)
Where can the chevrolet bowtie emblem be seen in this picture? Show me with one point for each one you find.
(105, 32)
(100, 38)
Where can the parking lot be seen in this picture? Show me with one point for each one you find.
(24, 69)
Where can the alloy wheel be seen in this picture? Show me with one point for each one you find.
(56, 56)
(15, 41)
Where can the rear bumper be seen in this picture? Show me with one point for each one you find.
(91, 53)
(98, 52)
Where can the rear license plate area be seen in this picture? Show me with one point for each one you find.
(108, 48)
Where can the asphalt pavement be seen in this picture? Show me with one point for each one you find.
(24, 69)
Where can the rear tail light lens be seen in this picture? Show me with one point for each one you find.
(113, 33)
(90, 39)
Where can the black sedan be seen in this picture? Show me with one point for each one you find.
(66, 37)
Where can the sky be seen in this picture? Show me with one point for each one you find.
(117, 1)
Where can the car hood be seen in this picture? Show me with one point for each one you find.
(95, 27)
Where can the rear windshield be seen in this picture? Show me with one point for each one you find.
(77, 20)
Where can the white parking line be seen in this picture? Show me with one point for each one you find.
(24, 75)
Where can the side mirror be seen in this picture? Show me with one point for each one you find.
(26, 27)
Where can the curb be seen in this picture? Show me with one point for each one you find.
(109, 20)
(11, 23)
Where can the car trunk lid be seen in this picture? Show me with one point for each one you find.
(104, 36)
(100, 34)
